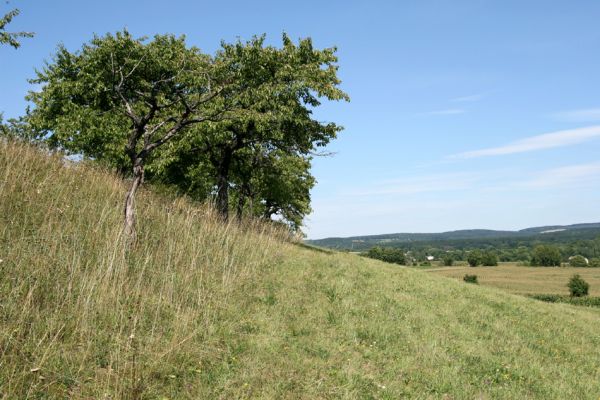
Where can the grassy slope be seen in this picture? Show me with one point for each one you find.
(202, 310)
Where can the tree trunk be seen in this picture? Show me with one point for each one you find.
(223, 184)
(223, 196)
(129, 210)
(240, 206)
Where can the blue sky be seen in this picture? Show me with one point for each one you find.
(464, 114)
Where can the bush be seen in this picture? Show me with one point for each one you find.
(594, 263)
(586, 301)
(489, 258)
(387, 254)
(546, 256)
(470, 278)
(448, 259)
(578, 287)
(474, 258)
(578, 261)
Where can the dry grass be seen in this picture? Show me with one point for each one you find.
(525, 280)
(203, 310)
(77, 308)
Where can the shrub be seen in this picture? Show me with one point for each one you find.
(387, 254)
(448, 259)
(578, 261)
(578, 287)
(586, 301)
(470, 278)
(489, 258)
(546, 256)
(594, 263)
(474, 258)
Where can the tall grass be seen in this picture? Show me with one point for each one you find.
(200, 309)
(80, 316)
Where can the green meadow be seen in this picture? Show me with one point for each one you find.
(202, 309)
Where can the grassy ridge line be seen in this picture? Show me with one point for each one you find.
(203, 310)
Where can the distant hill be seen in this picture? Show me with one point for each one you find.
(550, 233)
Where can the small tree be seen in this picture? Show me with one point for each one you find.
(578, 287)
(118, 99)
(448, 259)
(474, 258)
(489, 258)
(578, 261)
(546, 256)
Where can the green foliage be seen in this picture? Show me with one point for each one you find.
(586, 301)
(448, 259)
(594, 263)
(510, 247)
(489, 258)
(578, 261)
(474, 258)
(546, 256)
(11, 38)
(577, 286)
(387, 254)
(257, 160)
(470, 278)
(118, 94)
(239, 121)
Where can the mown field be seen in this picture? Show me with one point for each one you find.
(524, 280)
(200, 309)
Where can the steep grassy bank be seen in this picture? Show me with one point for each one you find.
(203, 310)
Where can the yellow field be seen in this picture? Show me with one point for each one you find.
(525, 280)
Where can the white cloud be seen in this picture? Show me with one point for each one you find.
(539, 142)
(566, 176)
(419, 184)
(463, 99)
(583, 115)
(450, 111)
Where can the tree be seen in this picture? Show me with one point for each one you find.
(474, 258)
(578, 261)
(546, 256)
(387, 254)
(11, 38)
(277, 88)
(448, 259)
(118, 99)
(489, 258)
(578, 287)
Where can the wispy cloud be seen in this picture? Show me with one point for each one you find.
(449, 111)
(566, 176)
(464, 99)
(539, 142)
(582, 115)
(419, 184)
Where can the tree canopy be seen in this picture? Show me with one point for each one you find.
(238, 121)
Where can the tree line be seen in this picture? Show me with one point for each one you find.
(584, 253)
(235, 127)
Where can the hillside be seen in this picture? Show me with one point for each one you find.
(477, 237)
(200, 309)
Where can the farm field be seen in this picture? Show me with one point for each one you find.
(524, 280)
